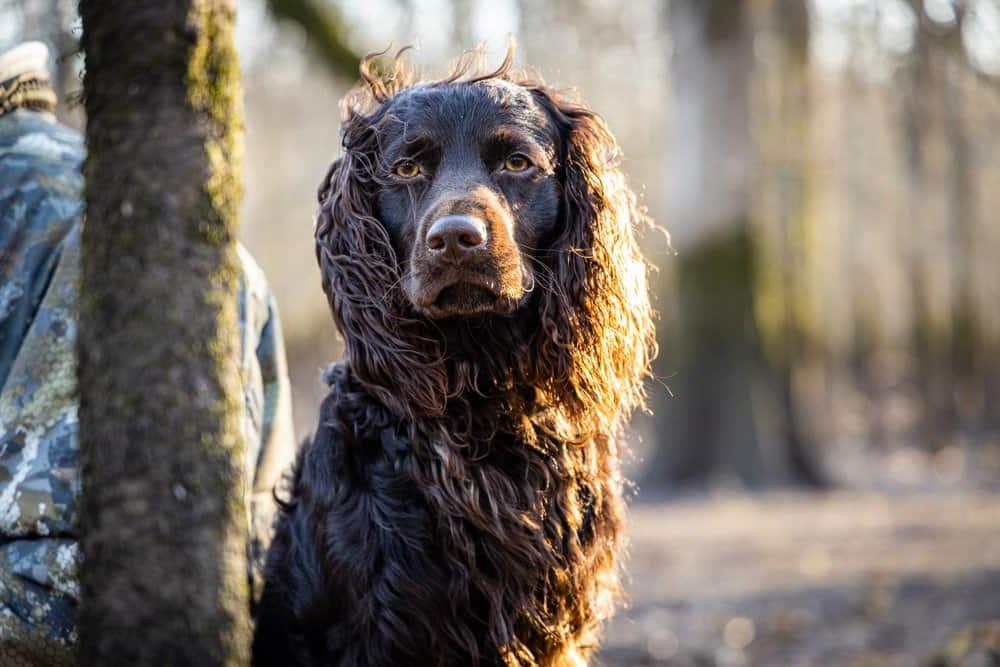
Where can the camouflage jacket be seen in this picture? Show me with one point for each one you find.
(40, 220)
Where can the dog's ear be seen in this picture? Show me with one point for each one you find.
(596, 338)
(361, 279)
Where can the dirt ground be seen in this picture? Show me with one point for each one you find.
(799, 580)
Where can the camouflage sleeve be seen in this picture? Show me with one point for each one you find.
(277, 440)
(270, 440)
(37, 602)
(39, 246)
(277, 450)
(39, 483)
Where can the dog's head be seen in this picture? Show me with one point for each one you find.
(483, 200)
(467, 190)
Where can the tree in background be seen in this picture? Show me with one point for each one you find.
(324, 29)
(786, 246)
(949, 343)
(710, 420)
(732, 414)
(163, 512)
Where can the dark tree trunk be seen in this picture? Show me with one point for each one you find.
(163, 511)
(948, 343)
(714, 431)
(794, 346)
(708, 428)
(732, 413)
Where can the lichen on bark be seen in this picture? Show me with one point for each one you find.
(164, 575)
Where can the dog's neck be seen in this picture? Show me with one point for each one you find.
(523, 502)
(487, 361)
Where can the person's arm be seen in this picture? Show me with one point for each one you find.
(277, 446)
(40, 211)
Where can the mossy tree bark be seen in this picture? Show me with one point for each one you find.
(163, 513)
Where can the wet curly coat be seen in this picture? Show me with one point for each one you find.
(461, 502)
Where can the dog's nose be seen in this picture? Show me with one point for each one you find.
(455, 236)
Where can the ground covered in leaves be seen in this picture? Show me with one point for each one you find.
(824, 580)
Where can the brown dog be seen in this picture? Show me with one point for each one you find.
(461, 501)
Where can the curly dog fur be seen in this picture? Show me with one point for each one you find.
(461, 501)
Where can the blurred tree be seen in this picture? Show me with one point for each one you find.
(950, 349)
(710, 423)
(324, 29)
(163, 512)
(728, 418)
(921, 114)
(785, 313)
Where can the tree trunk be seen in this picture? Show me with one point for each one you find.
(708, 426)
(163, 508)
(726, 419)
(324, 29)
(946, 337)
(792, 337)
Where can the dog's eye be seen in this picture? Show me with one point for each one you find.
(406, 169)
(516, 162)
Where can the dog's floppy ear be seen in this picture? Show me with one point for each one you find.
(362, 285)
(596, 338)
